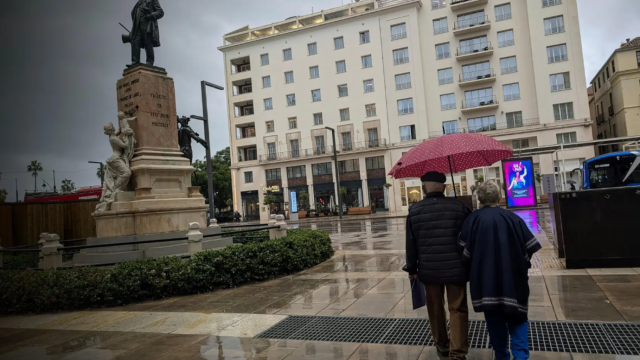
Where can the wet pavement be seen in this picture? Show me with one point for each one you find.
(363, 279)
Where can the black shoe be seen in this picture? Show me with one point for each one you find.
(442, 353)
(133, 64)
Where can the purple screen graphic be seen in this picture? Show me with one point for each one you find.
(519, 182)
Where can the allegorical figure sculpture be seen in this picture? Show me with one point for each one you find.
(144, 33)
(185, 135)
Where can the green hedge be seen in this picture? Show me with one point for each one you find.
(29, 291)
(20, 261)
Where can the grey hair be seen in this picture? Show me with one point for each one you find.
(489, 193)
(432, 186)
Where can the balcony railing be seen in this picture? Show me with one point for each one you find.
(546, 3)
(477, 75)
(325, 150)
(404, 85)
(400, 60)
(557, 58)
(489, 127)
(479, 102)
(471, 22)
(611, 112)
(554, 30)
(475, 48)
(560, 87)
(398, 36)
(599, 119)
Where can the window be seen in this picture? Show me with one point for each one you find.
(295, 148)
(248, 177)
(566, 138)
(503, 12)
(546, 3)
(505, 38)
(266, 82)
(481, 124)
(296, 172)
(508, 65)
(638, 57)
(437, 4)
(405, 106)
(443, 51)
(364, 37)
(450, 127)
(344, 115)
(322, 169)
(400, 56)
(343, 90)
(520, 144)
(270, 126)
(403, 81)
(600, 86)
(557, 53)
(314, 72)
(370, 110)
(374, 163)
(407, 133)
(315, 95)
(268, 104)
(346, 166)
(471, 19)
(511, 91)
(313, 48)
(445, 76)
(475, 71)
(271, 152)
(398, 31)
(560, 81)
(481, 97)
(366, 62)
(514, 119)
(291, 100)
(613, 66)
(368, 86)
(474, 45)
(287, 54)
(264, 59)
(563, 111)
(447, 101)
(272, 174)
(317, 119)
(346, 141)
(320, 149)
(338, 43)
(293, 123)
(440, 26)
(341, 67)
(288, 77)
(372, 134)
(607, 70)
(554, 25)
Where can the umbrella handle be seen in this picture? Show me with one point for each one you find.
(452, 180)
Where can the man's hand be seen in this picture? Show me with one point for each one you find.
(148, 17)
(413, 277)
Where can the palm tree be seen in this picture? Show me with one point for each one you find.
(34, 167)
(67, 186)
(100, 172)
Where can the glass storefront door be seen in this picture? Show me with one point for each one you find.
(411, 193)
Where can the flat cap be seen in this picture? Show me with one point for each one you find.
(434, 176)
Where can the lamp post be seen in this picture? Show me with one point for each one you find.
(17, 191)
(335, 163)
(101, 171)
(205, 119)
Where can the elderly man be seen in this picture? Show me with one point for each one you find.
(433, 226)
(497, 247)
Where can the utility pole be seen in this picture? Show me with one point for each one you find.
(54, 181)
(335, 163)
(101, 171)
(17, 190)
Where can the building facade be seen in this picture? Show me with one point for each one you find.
(386, 75)
(615, 104)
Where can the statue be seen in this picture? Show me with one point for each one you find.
(185, 135)
(145, 31)
(117, 172)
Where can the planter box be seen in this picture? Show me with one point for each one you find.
(359, 210)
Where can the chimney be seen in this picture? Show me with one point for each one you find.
(628, 39)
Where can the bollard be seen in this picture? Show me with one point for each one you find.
(215, 227)
(194, 238)
(272, 222)
(282, 232)
(50, 257)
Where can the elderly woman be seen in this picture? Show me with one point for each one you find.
(497, 250)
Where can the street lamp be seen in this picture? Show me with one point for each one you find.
(335, 163)
(101, 171)
(205, 119)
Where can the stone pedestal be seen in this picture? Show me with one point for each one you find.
(161, 197)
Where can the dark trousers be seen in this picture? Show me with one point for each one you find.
(140, 40)
(500, 327)
(458, 342)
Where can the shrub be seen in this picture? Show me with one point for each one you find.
(29, 291)
(20, 261)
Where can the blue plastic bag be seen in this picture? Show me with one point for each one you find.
(418, 294)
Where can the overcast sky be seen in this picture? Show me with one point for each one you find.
(61, 60)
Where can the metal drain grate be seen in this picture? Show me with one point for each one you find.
(551, 336)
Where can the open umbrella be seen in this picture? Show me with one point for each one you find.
(451, 153)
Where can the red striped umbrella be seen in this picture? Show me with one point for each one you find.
(451, 153)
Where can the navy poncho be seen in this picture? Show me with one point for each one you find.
(497, 247)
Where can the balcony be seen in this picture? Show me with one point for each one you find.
(364, 145)
(241, 65)
(488, 128)
(611, 111)
(599, 119)
(243, 108)
(463, 4)
(247, 154)
(324, 151)
(481, 103)
(474, 24)
(473, 78)
(474, 51)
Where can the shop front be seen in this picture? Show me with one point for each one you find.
(250, 205)
(324, 195)
(278, 205)
(378, 194)
(410, 192)
(353, 198)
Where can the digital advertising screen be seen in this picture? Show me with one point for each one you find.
(519, 182)
(294, 202)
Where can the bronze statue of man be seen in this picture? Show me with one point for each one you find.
(185, 134)
(145, 33)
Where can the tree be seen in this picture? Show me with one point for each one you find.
(220, 166)
(268, 199)
(67, 186)
(3, 195)
(538, 178)
(34, 167)
(304, 199)
(100, 172)
(230, 203)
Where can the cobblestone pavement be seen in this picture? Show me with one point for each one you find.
(363, 279)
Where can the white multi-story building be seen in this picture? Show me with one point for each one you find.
(388, 74)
